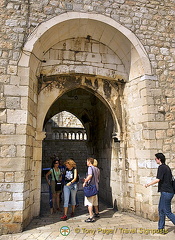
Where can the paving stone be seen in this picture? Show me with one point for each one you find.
(110, 225)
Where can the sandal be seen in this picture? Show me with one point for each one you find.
(63, 218)
(90, 220)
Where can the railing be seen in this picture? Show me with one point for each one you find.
(73, 134)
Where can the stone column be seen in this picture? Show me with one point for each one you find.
(35, 181)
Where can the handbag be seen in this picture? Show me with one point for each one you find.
(90, 189)
(57, 184)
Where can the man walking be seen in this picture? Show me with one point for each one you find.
(93, 178)
(164, 180)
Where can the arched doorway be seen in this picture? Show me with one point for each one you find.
(96, 54)
(100, 126)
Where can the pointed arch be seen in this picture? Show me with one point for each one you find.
(73, 24)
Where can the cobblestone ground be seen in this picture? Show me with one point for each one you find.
(110, 225)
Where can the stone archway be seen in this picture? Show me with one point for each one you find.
(117, 84)
(95, 114)
(102, 28)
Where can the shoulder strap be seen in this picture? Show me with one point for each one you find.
(93, 175)
(54, 174)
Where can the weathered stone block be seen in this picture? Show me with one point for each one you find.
(95, 48)
(1, 176)
(37, 154)
(20, 176)
(12, 70)
(156, 125)
(155, 200)
(131, 190)
(18, 217)
(21, 151)
(3, 113)
(5, 196)
(93, 57)
(8, 129)
(11, 228)
(13, 102)
(13, 90)
(6, 217)
(12, 187)
(21, 129)
(149, 134)
(14, 80)
(17, 116)
(8, 151)
(166, 148)
(160, 134)
(4, 78)
(9, 177)
(11, 22)
(11, 206)
(2, 102)
(18, 196)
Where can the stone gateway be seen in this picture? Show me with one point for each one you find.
(109, 63)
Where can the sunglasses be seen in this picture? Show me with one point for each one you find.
(57, 163)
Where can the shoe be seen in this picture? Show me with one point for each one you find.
(161, 232)
(90, 220)
(72, 214)
(64, 218)
(97, 215)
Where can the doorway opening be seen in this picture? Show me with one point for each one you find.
(91, 136)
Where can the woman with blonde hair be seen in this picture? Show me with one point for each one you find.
(70, 187)
(95, 162)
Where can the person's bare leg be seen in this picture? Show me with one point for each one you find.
(54, 202)
(90, 209)
(58, 201)
(51, 210)
(65, 210)
(73, 208)
(96, 209)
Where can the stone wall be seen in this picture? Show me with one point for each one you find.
(64, 150)
(140, 35)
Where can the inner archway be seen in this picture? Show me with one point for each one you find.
(99, 125)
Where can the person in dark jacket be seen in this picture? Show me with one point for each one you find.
(164, 180)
